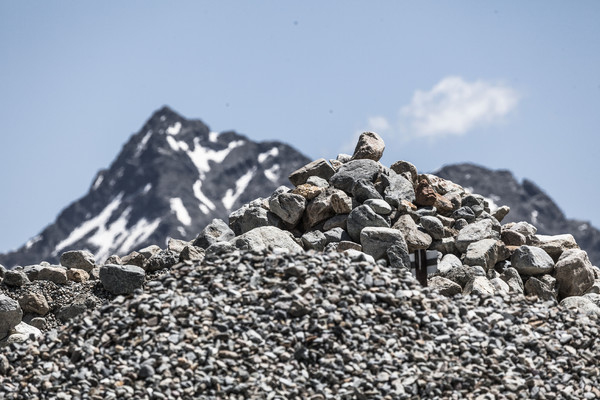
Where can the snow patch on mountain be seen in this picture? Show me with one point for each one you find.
(106, 237)
(213, 136)
(274, 152)
(135, 235)
(98, 182)
(272, 173)
(174, 129)
(201, 156)
(240, 185)
(205, 204)
(180, 211)
(142, 144)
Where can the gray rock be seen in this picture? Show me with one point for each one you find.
(555, 245)
(320, 168)
(433, 226)
(121, 279)
(15, 278)
(10, 314)
(415, 238)
(475, 232)
(133, 258)
(448, 262)
(535, 287)
(149, 251)
(318, 210)
(397, 189)
(267, 237)
(362, 217)
(289, 207)
(22, 333)
(341, 202)
(162, 259)
(479, 285)
(500, 286)
(71, 311)
(501, 212)
(370, 146)
(354, 170)
(376, 241)
(524, 228)
(513, 280)
(336, 235)
(2, 271)
(219, 231)
(314, 240)
(192, 253)
(445, 246)
(460, 224)
(581, 304)
(530, 260)
(78, 275)
(465, 213)
(513, 238)
(364, 190)
(177, 245)
(220, 248)
(486, 252)
(399, 256)
(445, 286)
(317, 181)
(463, 274)
(401, 167)
(380, 206)
(249, 217)
(337, 221)
(79, 259)
(34, 303)
(574, 273)
(55, 274)
(356, 255)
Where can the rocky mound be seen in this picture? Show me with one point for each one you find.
(308, 294)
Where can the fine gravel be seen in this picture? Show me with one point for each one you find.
(275, 325)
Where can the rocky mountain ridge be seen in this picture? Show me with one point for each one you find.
(170, 180)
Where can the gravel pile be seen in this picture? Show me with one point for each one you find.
(275, 325)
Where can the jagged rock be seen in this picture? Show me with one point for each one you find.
(399, 256)
(446, 245)
(320, 168)
(486, 253)
(149, 251)
(265, 237)
(463, 274)
(594, 297)
(249, 217)
(191, 253)
(535, 287)
(318, 181)
(466, 213)
(433, 226)
(424, 194)
(500, 286)
(121, 279)
(459, 224)
(160, 260)
(10, 314)
(475, 232)
(133, 258)
(443, 204)
(78, 275)
(343, 246)
(314, 240)
(595, 288)
(34, 303)
(375, 241)
(22, 333)
(308, 191)
(364, 190)
(513, 238)
(398, 189)
(362, 217)
(380, 206)
(289, 207)
(221, 248)
(555, 245)
(480, 286)
(318, 210)
(71, 311)
(530, 260)
(524, 228)
(581, 304)
(336, 235)
(370, 146)
(445, 286)
(337, 221)
(415, 239)
(216, 231)
(15, 278)
(574, 273)
(448, 262)
(79, 259)
(400, 167)
(513, 280)
(341, 202)
(428, 211)
(354, 170)
(501, 212)
(177, 245)
(56, 274)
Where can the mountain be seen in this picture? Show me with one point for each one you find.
(527, 202)
(169, 180)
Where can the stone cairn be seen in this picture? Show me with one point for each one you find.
(307, 293)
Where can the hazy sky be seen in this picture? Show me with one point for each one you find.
(511, 85)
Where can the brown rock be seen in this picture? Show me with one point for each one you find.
(34, 303)
(341, 202)
(320, 168)
(78, 275)
(308, 191)
(513, 238)
(443, 205)
(317, 210)
(370, 146)
(425, 195)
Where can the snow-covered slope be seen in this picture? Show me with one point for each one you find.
(170, 180)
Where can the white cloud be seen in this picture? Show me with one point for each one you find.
(454, 107)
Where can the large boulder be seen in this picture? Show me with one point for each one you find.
(555, 245)
(530, 260)
(78, 259)
(414, 237)
(433, 226)
(354, 170)
(121, 279)
(574, 273)
(266, 237)
(216, 231)
(376, 241)
(250, 216)
(54, 274)
(362, 217)
(486, 252)
(289, 207)
(370, 146)
(10, 314)
(397, 189)
(475, 232)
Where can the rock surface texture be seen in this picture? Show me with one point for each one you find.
(308, 293)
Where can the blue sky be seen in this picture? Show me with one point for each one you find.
(511, 85)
